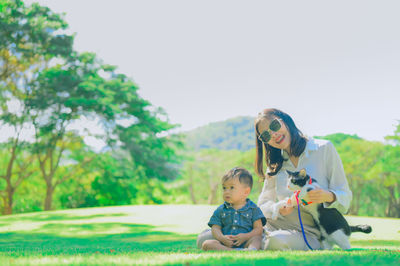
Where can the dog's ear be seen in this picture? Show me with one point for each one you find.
(289, 173)
(303, 173)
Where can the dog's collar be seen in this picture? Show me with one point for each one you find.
(305, 203)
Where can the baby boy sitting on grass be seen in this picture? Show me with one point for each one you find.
(238, 223)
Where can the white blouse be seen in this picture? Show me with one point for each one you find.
(322, 162)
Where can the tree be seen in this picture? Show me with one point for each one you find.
(358, 157)
(204, 171)
(389, 173)
(54, 88)
(50, 155)
(116, 182)
(338, 138)
(18, 165)
(28, 41)
(83, 87)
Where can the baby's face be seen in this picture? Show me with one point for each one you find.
(234, 192)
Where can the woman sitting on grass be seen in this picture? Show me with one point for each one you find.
(286, 148)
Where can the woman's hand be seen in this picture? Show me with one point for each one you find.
(288, 207)
(321, 196)
(285, 210)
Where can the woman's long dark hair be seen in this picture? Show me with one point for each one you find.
(273, 156)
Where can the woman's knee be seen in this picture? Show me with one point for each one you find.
(289, 240)
(275, 242)
(203, 236)
(255, 241)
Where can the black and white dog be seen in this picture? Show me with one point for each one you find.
(333, 226)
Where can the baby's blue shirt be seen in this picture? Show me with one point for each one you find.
(233, 221)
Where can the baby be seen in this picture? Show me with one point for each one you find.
(238, 223)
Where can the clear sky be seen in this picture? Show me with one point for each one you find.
(334, 66)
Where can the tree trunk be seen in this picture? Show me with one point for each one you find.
(192, 196)
(397, 203)
(49, 197)
(213, 194)
(7, 209)
(355, 204)
(9, 189)
(393, 206)
(5, 204)
(9, 202)
(357, 200)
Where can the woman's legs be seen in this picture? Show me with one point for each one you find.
(254, 243)
(289, 240)
(203, 236)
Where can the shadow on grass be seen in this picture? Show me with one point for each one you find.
(55, 239)
(44, 217)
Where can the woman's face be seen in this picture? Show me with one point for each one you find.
(279, 139)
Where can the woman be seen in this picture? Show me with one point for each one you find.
(286, 148)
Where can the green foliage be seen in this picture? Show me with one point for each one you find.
(48, 87)
(372, 168)
(338, 138)
(28, 41)
(387, 173)
(111, 179)
(358, 157)
(17, 164)
(31, 31)
(115, 182)
(204, 169)
(395, 138)
(29, 196)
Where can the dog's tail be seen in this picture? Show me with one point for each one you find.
(363, 228)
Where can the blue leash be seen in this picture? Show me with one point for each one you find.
(301, 224)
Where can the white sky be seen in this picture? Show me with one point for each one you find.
(332, 65)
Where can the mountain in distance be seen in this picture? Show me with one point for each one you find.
(234, 133)
(237, 134)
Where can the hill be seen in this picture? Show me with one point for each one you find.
(234, 133)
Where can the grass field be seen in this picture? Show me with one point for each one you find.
(164, 234)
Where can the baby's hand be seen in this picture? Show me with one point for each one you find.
(227, 241)
(240, 239)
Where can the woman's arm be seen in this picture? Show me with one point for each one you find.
(267, 199)
(337, 181)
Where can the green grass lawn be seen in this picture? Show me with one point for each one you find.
(164, 234)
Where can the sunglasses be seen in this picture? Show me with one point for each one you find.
(274, 126)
